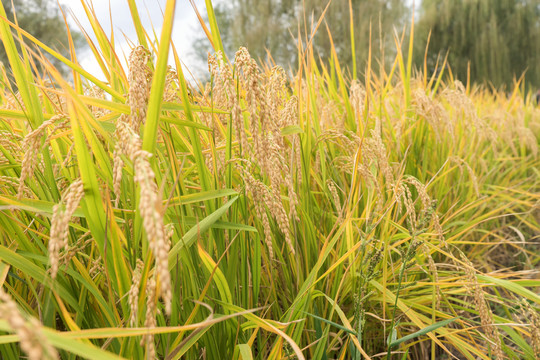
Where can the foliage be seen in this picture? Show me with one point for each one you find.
(43, 19)
(263, 216)
(272, 29)
(500, 39)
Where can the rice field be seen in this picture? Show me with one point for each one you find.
(263, 214)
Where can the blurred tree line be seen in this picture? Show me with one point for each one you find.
(42, 19)
(272, 27)
(500, 39)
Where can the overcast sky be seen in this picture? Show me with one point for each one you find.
(186, 25)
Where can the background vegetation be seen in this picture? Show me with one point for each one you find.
(488, 41)
(270, 29)
(327, 214)
(44, 20)
(493, 41)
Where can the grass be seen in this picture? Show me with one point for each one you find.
(262, 215)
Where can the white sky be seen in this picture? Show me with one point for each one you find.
(186, 25)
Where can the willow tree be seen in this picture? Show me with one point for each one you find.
(499, 38)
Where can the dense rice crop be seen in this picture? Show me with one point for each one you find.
(263, 215)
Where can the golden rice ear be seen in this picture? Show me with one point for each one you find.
(150, 203)
(434, 112)
(357, 98)
(150, 318)
(32, 341)
(260, 195)
(137, 99)
(335, 196)
(465, 107)
(267, 113)
(532, 316)
(486, 316)
(133, 299)
(130, 145)
(463, 164)
(152, 215)
(139, 80)
(62, 214)
(32, 145)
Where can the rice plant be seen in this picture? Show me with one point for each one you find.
(263, 214)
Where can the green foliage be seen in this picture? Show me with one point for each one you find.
(500, 39)
(43, 19)
(273, 29)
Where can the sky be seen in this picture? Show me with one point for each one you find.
(186, 26)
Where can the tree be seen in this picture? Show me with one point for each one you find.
(272, 27)
(499, 38)
(42, 19)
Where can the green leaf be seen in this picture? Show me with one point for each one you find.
(292, 129)
(513, 287)
(341, 327)
(22, 263)
(217, 275)
(158, 80)
(35, 206)
(216, 36)
(242, 351)
(423, 331)
(189, 238)
(206, 195)
(220, 224)
(63, 341)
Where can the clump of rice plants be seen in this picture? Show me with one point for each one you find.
(262, 215)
